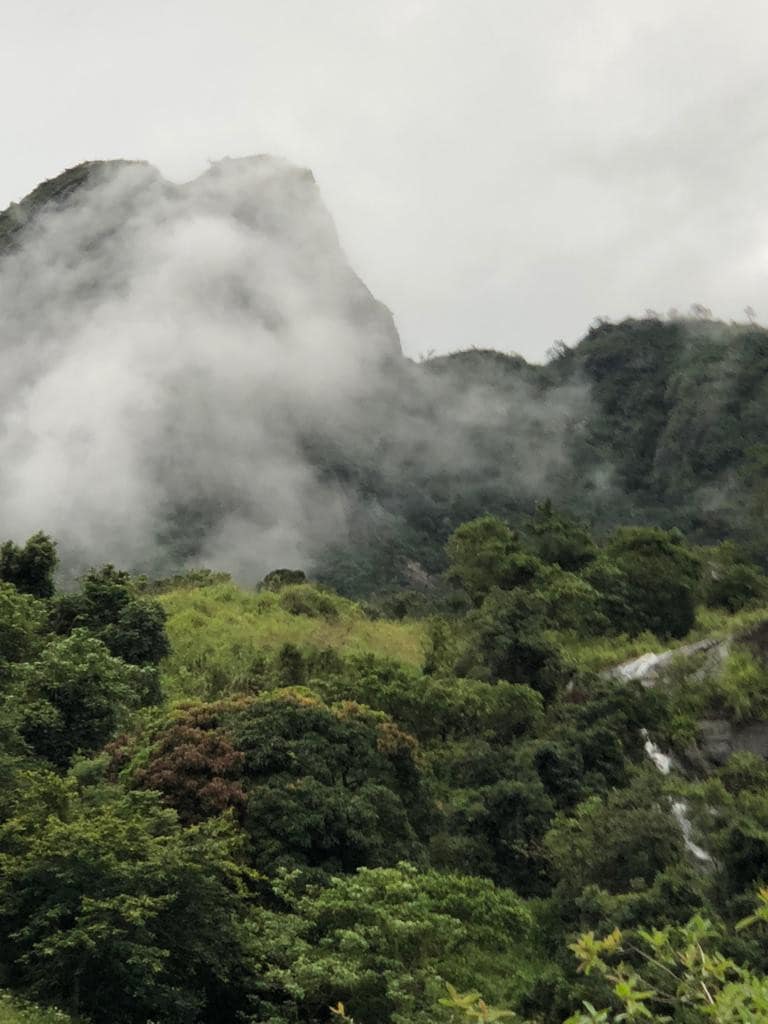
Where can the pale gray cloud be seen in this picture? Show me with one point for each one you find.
(499, 172)
(194, 374)
(163, 349)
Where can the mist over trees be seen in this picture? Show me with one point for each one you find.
(194, 375)
(254, 806)
(416, 770)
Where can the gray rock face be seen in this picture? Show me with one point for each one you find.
(269, 198)
(649, 668)
(54, 194)
(169, 352)
(752, 737)
(718, 739)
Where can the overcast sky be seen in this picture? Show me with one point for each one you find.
(500, 172)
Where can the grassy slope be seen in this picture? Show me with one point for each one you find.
(598, 653)
(15, 1011)
(218, 632)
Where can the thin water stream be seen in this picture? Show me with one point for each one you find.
(646, 669)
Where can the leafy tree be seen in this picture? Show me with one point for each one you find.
(138, 636)
(14, 1010)
(485, 553)
(432, 708)
(613, 592)
(108, 907)
(730, 580)
(511, 639)
(30, 568)
(733, 809)
(662, 576)
(328, 787)
(192, 762)
(571, 602)
(75, 695)
(617, 842)
(680, 973)
(110, 607)
(560, 766)
(679, 969)
(22, 627)
(279, 578)
(23, 621)
(471, 1006)
(307, 599)
(514, 819)
(383, 938)
(495, 812)
(291, 666)
(603, 721)
(558, 540)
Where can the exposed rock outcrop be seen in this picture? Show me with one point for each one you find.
(169, 352)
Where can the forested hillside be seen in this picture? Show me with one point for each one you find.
(645, 421)
(340, 686)
(238, 398)
(281, 806)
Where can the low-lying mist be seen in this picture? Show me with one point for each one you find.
(194, 375)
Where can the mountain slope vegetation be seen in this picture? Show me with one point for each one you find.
(276, 420)
(232, 805)
(661, 421)
(380, 761)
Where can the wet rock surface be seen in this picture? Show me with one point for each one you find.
(718, 738)
(649, 668)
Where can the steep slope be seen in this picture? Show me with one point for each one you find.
(681, 415)
(194, 374)
(674, 430)
(266, 196)
(165, 351)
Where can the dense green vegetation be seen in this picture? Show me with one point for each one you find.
(280, 806)
(653, 421)
(222, 637)
(17, 1011)
(413, 789)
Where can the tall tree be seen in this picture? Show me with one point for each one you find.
(30, 568)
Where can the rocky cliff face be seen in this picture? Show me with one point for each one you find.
(195, 373)
(91, 211)
(717, 738)
(166, 351)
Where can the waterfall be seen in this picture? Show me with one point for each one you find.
(664, 763)
(680, 814)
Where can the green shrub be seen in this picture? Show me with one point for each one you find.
(305, 599)
(14, 1010)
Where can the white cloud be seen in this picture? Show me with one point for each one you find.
(500, 173)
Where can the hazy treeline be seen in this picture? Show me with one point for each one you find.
(251, 806)
(193, 374)
(228, 805)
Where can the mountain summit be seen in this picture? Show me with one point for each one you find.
(99, 206)
(166, 349)
(193, 373)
